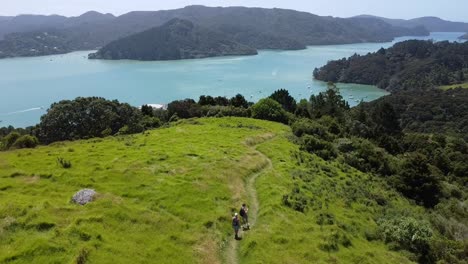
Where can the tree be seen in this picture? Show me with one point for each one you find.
(302, 109)
(187, 108)
(86, 118)
(283, 97)
(417, 181)
(206, 100)
(239, 101)
(269, 109)
(461, 76)
(386, 119)
(147, 110)
(221, 100)
(328, 103)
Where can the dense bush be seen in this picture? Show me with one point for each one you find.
(367, 157)
(269, 109)
(187, 108)
(296, 200)
(66, 164)
(433, 111)
(321, 148)
(86, 118)
(10, 139)
(418, 180)
(26, 141)
(409, 233)
(308, 127)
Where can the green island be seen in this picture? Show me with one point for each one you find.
(177, 39)
(408, 65)
(325, 183)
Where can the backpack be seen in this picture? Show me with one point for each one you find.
(242, 212)
(235, 221)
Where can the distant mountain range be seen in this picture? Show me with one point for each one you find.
(433, 24)
(177, 39)
(256, 27)
(30, 23)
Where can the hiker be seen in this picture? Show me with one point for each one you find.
(245, 218)
(236, 225)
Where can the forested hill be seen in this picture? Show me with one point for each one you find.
(433, 24)
(409, 65)
(177, 39)
(257, 27)
(31, 23)
(433, 112)
(34, 44)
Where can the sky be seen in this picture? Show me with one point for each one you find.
(455, 10)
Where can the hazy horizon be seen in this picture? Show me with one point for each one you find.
(454, 10)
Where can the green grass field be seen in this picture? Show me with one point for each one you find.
(448, 87)
(167, 196)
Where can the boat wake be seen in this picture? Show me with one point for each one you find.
(23, 111)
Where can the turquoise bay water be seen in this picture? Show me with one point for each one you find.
(29, 85)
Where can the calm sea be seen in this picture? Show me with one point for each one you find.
(29, 85)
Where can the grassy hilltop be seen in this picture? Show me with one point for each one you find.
(167, 196)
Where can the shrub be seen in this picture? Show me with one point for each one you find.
(10, 139)
(309, 127)
(123, 130)
(325, 219)
(366, 157)
(409, 233)
(296, 200)
(321, 148)
(149, 122)
(82, 257)
(269, 109)
(26, 141)
(66, 164)
(106, 132)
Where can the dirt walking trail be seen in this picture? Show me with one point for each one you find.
(231, 253)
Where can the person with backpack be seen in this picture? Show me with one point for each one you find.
(236, 226)
(245, 217)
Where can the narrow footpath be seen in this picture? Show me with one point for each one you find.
(231, 254)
